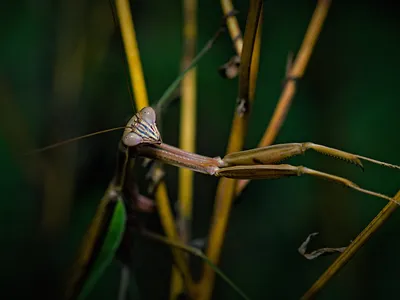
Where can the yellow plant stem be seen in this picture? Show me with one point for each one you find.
(233, 26)
(141, 100)
(294, 73)
(187, 135)
(351, 250)
(188, 118)
(226, 187)
(255, 59)
(168, 223)
(76, 273)
(132, 53)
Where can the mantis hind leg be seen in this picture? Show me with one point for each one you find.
(280, 171)
(277, 153)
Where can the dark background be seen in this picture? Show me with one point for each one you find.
(63, 74)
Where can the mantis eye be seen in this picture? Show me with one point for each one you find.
(132, 139)
(148, 114)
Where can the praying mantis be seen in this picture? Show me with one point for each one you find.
(142, 135)
(143, 139)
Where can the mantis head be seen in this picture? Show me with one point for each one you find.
(142, 128)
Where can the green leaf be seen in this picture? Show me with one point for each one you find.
(112, 239)
(98, 246)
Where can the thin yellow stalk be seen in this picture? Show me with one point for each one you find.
(168, 223)
(226, 187)
(295, 73)
(76, 273)
(351, 250)
(188, 118)
(141, 100)
(233, 26)
(255, 60)
(177, 286)
(132, 53)
(187, 132)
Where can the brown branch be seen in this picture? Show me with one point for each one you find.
(296, 72)
(226, 187)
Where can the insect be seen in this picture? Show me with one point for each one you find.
(259, 163)
(142, 136)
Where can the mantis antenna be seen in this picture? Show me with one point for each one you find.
(73, 140)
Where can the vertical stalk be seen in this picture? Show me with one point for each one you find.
(132, 53)
(188, 118)
(295, 72)
(187, 131)
(233, 26)
(226, 187)
(141, 100)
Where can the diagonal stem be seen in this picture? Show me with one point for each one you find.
(195, 252)
(132, 53)
(233, 25)
(352, 249)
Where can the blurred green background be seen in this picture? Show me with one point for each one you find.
(63, 74)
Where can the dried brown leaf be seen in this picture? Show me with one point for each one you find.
(316, 253)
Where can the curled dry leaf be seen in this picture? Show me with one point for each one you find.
(314, 254)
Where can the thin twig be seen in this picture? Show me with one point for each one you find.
(167, 94)
(226, 187)
(294, 74)
(195, 252)
(352, 249)
(124, 283)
